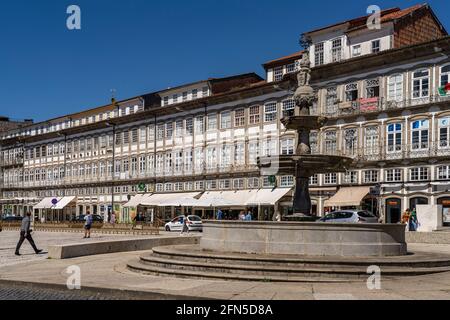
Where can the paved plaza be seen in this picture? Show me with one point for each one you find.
(8, 242)
(108, 273)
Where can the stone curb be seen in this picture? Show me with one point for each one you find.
(122, 294)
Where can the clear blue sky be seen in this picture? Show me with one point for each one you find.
(140, 46)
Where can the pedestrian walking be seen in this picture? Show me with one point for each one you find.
(248, 217)
(113, 219)
(25, 233)
(405, 218)
(413, 222)
(87, 225)
(278, 217)
(219, 214)
(242, 216)
(184, 227)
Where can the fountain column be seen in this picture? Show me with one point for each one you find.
(304, 98)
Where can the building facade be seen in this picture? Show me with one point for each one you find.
(388, 112)
(111, 154)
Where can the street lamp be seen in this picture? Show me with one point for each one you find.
(113, 151)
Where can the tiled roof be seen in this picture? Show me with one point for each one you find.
(294, 56)
(386, 16)
(357, 21)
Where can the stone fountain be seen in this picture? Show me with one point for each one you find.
(304, 238)
(303, 164)
(293, 251)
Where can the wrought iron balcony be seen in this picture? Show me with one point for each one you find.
(377, 104)
(397, 152)
(11, 162)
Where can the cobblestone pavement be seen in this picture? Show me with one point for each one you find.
(8, 241)
(24, 293)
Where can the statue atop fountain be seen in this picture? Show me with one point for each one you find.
(303, 164)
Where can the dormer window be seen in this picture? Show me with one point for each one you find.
(194, 94)
(318, 54)
(356, 50)
(278, 74)
(175, 98)
(166, 101)
(290, 68)
(376, 46)
(336, 50)
(205, 92)
(185, 96)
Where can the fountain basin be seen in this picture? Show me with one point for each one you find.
(305, 239)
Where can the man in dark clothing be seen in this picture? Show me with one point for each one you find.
(25, 233)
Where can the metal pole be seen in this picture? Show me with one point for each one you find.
(65, 165)
(113, 173)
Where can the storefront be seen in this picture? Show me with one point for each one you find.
(56, 209)
(413, 202)
(445, 202)
(263, 203)
(393, 210)
(352, 198)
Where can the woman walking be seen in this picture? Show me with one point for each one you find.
(405, 218)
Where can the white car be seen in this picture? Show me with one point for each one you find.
(194, 223)
(350, 216)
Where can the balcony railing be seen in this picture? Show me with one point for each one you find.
(12, 162)
(400, 152)
(74, 180)
(377, 104)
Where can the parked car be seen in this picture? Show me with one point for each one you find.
(11, 218)
(95, 218)
(350, 216)
(194, 223)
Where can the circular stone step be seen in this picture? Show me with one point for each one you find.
(189, 261)
(195, 253)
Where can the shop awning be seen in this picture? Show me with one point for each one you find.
(46, 203)
(227, 198)
(64, 202)
(183, 201)
(347, 197)
(136, 200)
(169, 199)
(267, 197)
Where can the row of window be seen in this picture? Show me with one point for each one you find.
(185, 96)
(337, 50)
(175, 161)
(280, 71)
(120, 112)
(221, 184)
(419, 133)
(391, 175)
(179, 128)
(416, 174)
(420, 88)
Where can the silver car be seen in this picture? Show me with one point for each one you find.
(194, 223)
(350, 216)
